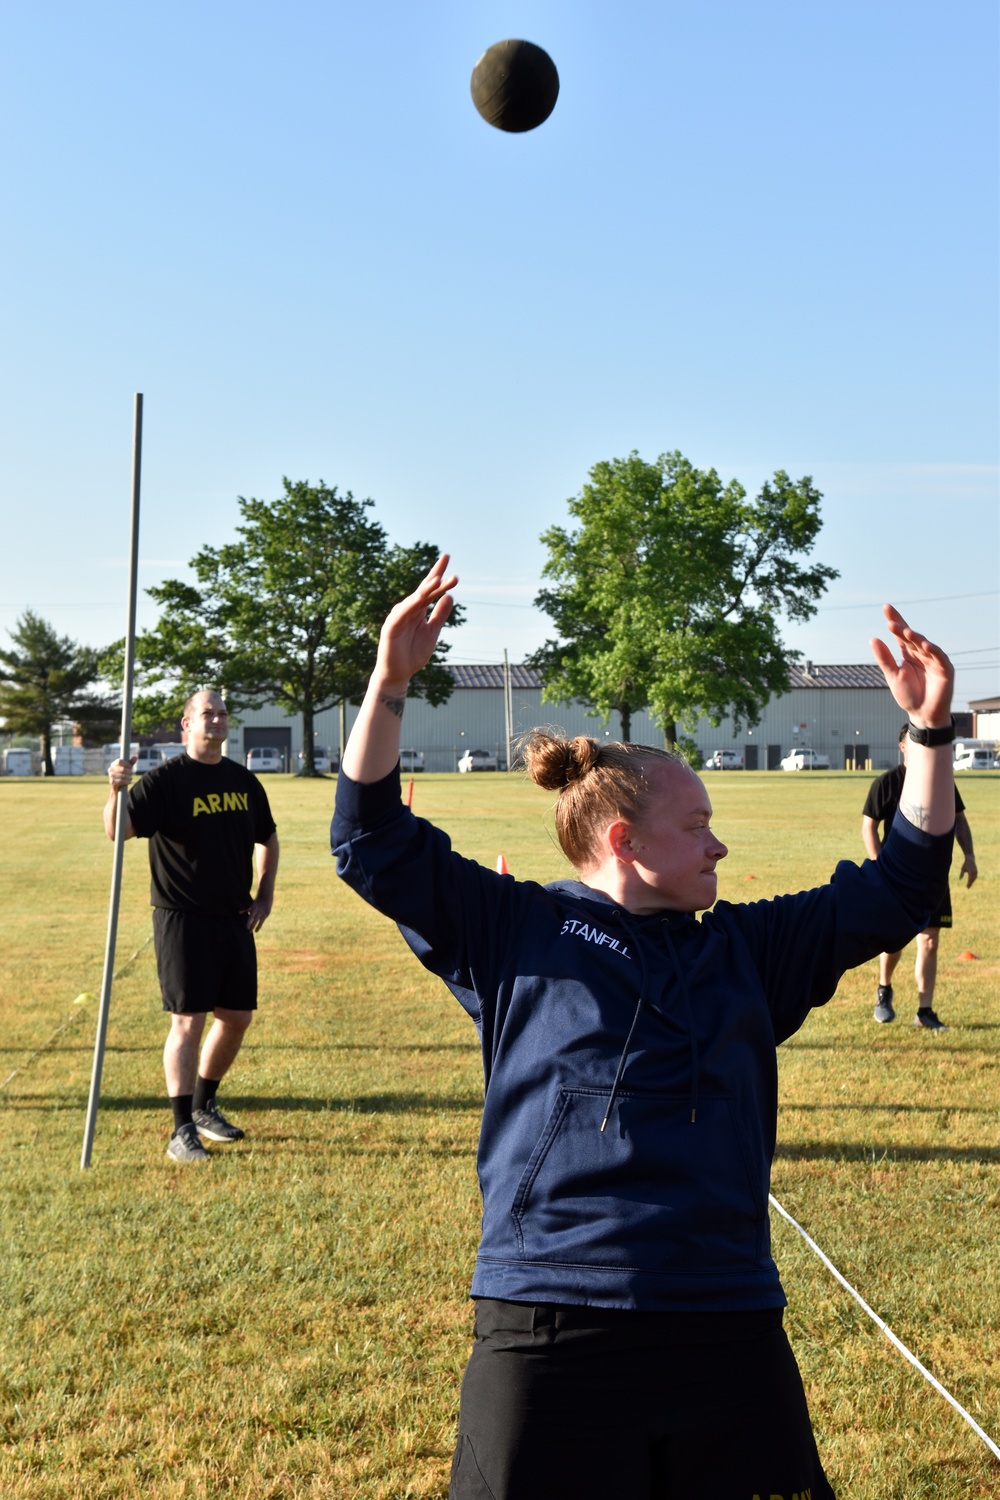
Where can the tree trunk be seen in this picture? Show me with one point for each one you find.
(308, 760)
(625, 714)
(670, 735)
(46, 745)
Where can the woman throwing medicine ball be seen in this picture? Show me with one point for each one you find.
(628, 1338)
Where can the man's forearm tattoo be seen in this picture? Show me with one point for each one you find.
(914, 814)
(394, 705)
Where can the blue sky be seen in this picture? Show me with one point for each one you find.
(764, 234)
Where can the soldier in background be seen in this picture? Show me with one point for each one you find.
(880, 808)
(205, 817)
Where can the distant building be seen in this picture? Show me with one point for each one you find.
(846, 712)
(985, 717)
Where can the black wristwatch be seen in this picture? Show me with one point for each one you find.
(942, 736)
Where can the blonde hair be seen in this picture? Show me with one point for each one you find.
(597, 781)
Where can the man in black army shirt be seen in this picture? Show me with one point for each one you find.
(205, 818)
(880, 808)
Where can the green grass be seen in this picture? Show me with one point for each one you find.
(293, 1318)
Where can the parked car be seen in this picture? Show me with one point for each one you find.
(264, 758)
(410, 761)
(724, 760)
(170, 752)
(111, 753)
(974, 760)
(477, 760)
(147, 759)
(321, 761)
(805, 760)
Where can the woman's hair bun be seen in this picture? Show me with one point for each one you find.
(553, 762)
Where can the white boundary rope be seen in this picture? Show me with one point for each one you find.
(994, 1449)
(66, 1024)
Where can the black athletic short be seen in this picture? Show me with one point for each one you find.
(943, 918)
(575, 1402)
(204, 962)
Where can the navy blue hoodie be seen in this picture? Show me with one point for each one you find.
(630, 1111)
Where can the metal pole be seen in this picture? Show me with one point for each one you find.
(125, 746)
(508, 707)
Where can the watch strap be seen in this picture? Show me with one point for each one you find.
(942, 736)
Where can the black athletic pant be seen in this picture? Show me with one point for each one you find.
(573, 1403)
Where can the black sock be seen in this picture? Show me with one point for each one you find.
(181, 1104)
(205, 1090)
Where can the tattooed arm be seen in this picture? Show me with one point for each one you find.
(922, 685)
(406, 644)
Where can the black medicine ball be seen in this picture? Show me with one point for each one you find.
(515, 85)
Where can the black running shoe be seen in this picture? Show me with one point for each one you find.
(927, 1020)
(184, 1145)
(212, 1122)
(883, 1004)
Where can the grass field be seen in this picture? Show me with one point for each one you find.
(292, 1319)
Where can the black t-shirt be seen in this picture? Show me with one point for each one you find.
(883, 798)
(202, 822)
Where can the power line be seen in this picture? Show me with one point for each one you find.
(933, 599)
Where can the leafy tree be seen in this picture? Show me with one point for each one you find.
(667, 595)
(48, 678)
(288, 614)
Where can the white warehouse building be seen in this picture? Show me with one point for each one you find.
(845, 712)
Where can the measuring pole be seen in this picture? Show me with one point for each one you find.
(125, 746)
(508, 709)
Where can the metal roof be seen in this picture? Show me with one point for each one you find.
(491, 676)
(866, 674)
(820, 675)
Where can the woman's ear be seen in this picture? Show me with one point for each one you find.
(619, 841)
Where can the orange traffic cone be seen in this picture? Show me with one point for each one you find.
(968, 955)
(502, 866)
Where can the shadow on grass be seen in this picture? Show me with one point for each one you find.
(884, 1042)
(265, 1045)
(359, 1104)
(843, 1106)
(9, 1055)
(856, 1151)
(363, 1104)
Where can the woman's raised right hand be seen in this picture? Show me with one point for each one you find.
(410, 635)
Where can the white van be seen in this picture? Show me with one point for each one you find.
(264, 758)
(147, 759)
(110, 753)
(974, 760)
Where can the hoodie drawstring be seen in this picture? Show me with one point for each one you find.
(635, 1021)
(692, 1038)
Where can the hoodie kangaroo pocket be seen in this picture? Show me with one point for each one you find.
(653, 1192)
